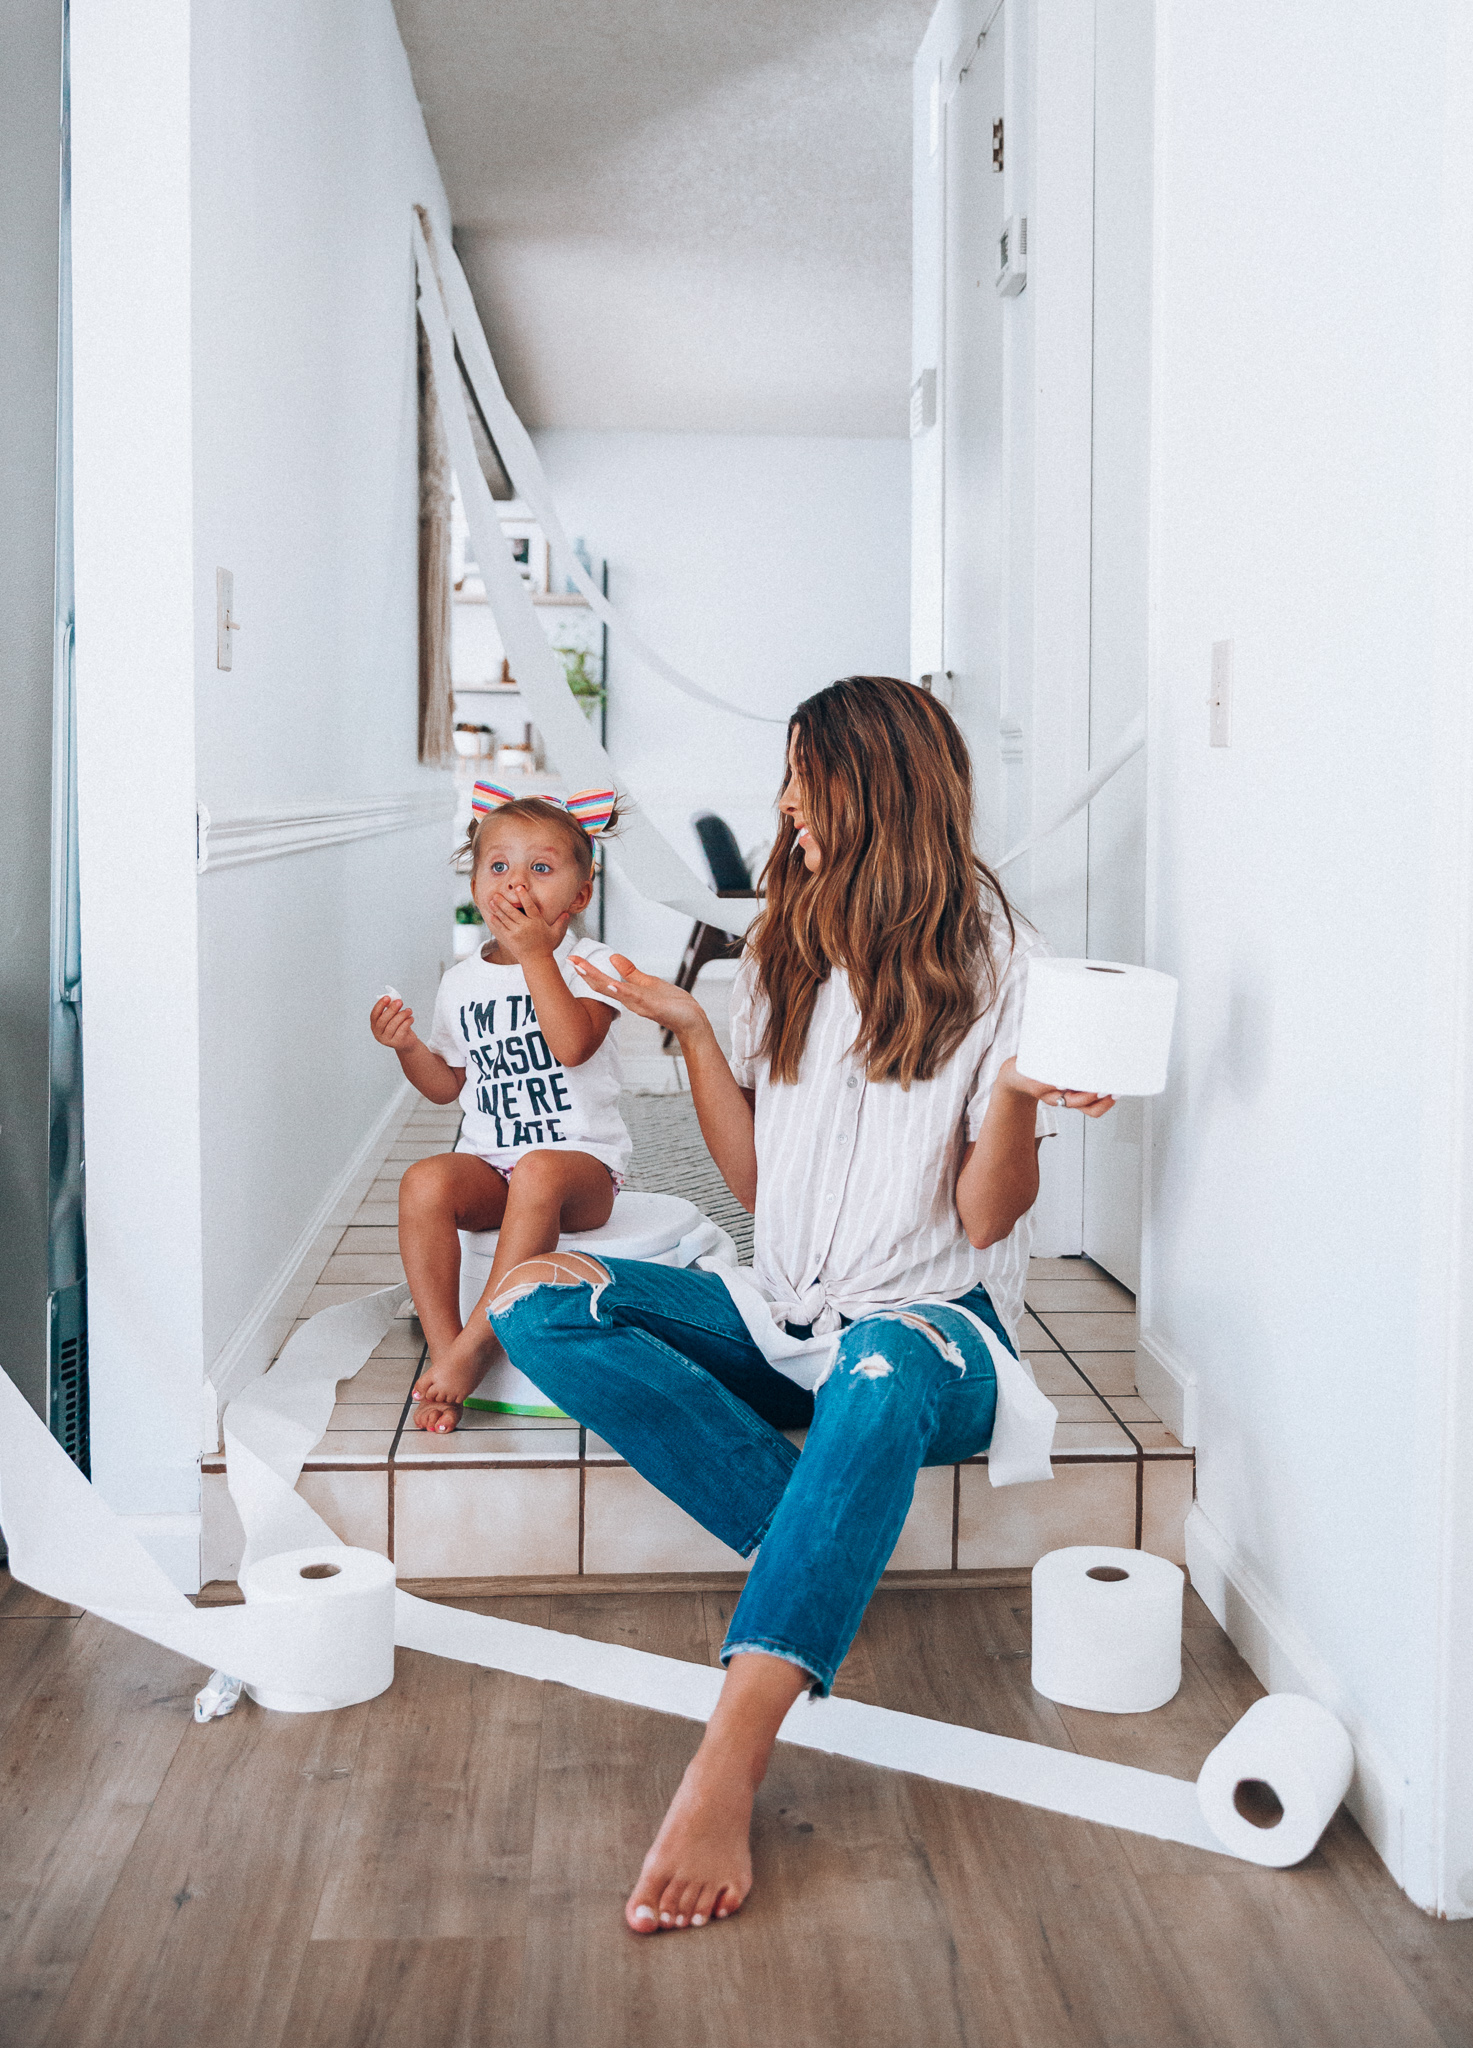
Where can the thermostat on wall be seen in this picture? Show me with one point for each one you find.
(1012, 256)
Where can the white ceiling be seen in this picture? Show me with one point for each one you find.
(682, 215)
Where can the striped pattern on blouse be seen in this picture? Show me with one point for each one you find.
(856, 1179)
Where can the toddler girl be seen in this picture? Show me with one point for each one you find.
(526, 1047)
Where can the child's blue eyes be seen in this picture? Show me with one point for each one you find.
(539, 867)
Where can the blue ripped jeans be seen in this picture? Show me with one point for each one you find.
(660, 1364)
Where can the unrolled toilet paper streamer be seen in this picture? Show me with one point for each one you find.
(651, 864)
(1096, 1024)
(1130, 743)
(1107, 1628)
(67, 1542)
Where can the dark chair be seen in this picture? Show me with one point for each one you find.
(730, 876)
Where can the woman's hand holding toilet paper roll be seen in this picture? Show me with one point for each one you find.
(1053, 1092)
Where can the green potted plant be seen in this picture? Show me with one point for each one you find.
(584, 685)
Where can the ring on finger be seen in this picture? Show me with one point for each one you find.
(1063, 1102)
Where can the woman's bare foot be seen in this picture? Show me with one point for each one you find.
(699, 1867)
(700, 1864)
(440, 1391)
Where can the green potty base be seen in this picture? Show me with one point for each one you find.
(543, 1414)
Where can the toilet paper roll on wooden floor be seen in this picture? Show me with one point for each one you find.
(1099, 1025)
(345, 1600)
(1272, 1785)
(1107, 1628)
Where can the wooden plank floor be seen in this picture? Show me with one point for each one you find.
(446, 1866)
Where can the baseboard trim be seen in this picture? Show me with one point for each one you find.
(1283, 1659)
(226, 1593)
(1169, 1385)
(258, 1336)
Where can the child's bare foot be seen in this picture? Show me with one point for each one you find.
(700, 1865)
(439, 1392)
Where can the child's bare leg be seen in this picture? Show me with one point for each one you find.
(437, 1197)
(549, 1192)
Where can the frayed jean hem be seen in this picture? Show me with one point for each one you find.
(769, 1646)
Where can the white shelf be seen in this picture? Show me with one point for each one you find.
(571, 602)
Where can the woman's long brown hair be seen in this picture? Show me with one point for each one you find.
(901, 899)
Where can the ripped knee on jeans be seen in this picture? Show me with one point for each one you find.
(552, 1269)
(874, 1365)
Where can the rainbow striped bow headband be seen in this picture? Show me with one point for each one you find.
(592, 808)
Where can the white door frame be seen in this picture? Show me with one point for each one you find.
(1049, 114)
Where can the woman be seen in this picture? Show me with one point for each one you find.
(873, 1118)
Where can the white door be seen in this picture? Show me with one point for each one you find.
(1124, 58)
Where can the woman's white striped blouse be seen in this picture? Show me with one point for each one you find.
(856, 1179)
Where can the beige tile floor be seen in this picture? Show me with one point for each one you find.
(505, 1497)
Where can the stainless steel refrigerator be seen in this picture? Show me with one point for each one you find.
(43, 1265)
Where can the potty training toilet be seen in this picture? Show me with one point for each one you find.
(665, 1229)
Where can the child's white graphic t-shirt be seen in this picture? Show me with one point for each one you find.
(517, 1098)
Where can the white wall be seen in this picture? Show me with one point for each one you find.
(1298, 1282)
(305, 169)
(245, 398)
(763, 566)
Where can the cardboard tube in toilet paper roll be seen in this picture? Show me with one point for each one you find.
(1272, 1785)
(1096, 1024)
(1107, 1628)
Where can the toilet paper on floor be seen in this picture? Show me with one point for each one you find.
(67, 1542)
(1272, 1785)
(344, 1598)
(1096, 1024)
(1107, 1628)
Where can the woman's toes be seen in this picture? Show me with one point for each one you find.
(642, 1917)
(685, 1904)
(704, 1905)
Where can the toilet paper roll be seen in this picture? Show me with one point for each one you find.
(1270, 1788)
(1107, 1628)
(1096, 1024)
(340, 1602)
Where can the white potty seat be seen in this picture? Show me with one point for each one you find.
(665, 1229)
